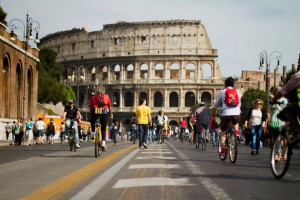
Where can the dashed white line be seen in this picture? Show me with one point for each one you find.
(155, 166)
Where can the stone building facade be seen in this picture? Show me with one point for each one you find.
(163, 61)
(19, 77)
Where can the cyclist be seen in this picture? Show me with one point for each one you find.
(71, 112)
(202, 118)
(183, 126)
(133, 127)
(229, 112)
(291, 112)
(102, 101)
(160, 124)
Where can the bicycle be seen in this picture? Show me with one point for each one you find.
(98, 138)
(71, 135)
(230, 145)
(200, 138)
(281, 152)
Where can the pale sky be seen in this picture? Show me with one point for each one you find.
(239, 29)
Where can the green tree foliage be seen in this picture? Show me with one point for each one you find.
(50, 89)
(248, 99)
(3, 16)
(289, 74)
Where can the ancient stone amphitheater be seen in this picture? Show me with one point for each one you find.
(171, 63)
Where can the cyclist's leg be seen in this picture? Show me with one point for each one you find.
(103, 122)
(76, 133)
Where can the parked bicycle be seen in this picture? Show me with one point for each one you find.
(200, 138)
(230, 145)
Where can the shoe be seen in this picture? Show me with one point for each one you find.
(145, 146)
(103, 147)
(223, 151)
(77, 146)
(140, 147)
(253, 152)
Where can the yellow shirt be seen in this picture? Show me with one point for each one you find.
(142, 113)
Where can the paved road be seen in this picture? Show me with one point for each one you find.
(173, 170)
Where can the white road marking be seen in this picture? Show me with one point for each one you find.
(152, 181)
(91, 189)
(157, 152)
(155, 157)
(215, 190)
(158, 166)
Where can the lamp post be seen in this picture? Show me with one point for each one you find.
(265, 61)
(26, 28)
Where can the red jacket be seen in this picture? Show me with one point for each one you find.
(95, 100)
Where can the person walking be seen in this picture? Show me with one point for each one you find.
(62, 132)
(7, 131)
(28, 131)
(41, 127)
(101, 107)
(215, 129)
(143, 114)
(18, 133)
(50, 131)
(13, 132)
(256, 119)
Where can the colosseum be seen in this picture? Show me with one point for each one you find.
(170, 63)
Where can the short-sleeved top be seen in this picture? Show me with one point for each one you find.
(29, 126)
(40, 125)
(142, 113)
(71, 113)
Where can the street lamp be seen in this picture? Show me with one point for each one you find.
(26, 28)
(265, 61)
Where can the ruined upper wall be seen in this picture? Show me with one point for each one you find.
(174, 37)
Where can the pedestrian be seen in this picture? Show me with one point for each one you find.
(256, 119)
(152, 129)
(143, 120)
(229, 99)
(133, 127)
(115, 132)
(35, 133)
(215, 129)
(28, 132)
(41, 127)
(100, 106)
(7, 131)
(62, 129)
(18, 132)
(50, 131)
(13, 132)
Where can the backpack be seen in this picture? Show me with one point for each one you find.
(160, 120)
(231, 97)
(203, 118)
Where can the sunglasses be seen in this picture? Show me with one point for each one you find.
(259, 103)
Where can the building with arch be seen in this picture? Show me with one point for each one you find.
(18, 76)
(162, 61)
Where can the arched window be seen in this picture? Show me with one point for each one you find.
(173, 99)
(117, 70)
(159, 70)
(144, 71)
(128, 99)
(206, 97)
(190, 71)
(158, 100)
(174, 71)
(130, 71)
(190, 99)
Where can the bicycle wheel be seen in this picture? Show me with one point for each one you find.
(280, 156)
(97, 149)
(71, 140)
(233, 149)
(203, 140)
(74, 145)
(222, 156)
(197, 140)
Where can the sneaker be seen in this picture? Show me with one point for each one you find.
(223, 151)
(103, 146)
(145, 146)
(253, 152)
(77, 146)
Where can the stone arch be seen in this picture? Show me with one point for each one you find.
(206, 71)
(117, 73)
(158, 99)
(206, 97)
(28, 96)
(143, 95)
(144, 69)
(159, 70)
(128, 99)
(190, 99)
(5, 85)
(18, 89)
(93, 74)
(173, 99)
(116, 99)
(129, 71)
(190, 71)
(104, 73)
(174, 71)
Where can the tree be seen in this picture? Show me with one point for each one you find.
(3, 15)
(248, 99)
(49, 88)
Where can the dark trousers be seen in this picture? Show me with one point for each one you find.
(18, 139)
(103, 122)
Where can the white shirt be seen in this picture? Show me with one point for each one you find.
(256, 116)
(40, 125)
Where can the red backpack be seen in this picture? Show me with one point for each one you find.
(231, 97)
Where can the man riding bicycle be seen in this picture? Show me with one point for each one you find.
(291, 112)
(100, 102)
(161, 122)
(230, 101)
(202, 119)
(71, 112)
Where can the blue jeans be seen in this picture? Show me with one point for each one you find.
(75, 126)
(215, 136)
(143, 132)
(152, 135)
(256, 132)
